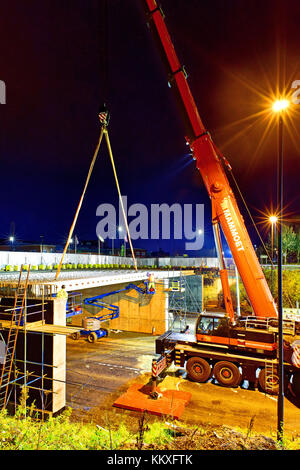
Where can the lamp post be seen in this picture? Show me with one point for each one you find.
(273, 220)
(112, 240)
(42, 243)
(120, 229)
(279, 107)
(75, 244)
(12, 239)
(100, 239)
(199, 232)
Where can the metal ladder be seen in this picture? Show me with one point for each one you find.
(271, 372)
(15, 323)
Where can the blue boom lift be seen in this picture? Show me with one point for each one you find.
(95, 334)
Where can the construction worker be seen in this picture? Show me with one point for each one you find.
(151, 284)
(62, 294)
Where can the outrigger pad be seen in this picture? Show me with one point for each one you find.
(169, 402)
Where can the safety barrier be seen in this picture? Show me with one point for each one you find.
(17, 258)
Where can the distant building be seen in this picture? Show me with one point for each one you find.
(32, 247)
(160, 254)
(140, 252)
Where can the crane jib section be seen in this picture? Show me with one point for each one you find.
(225, 210)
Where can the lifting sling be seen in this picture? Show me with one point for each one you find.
(105, 133)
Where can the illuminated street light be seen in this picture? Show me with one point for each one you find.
(100, 239)
(120, 229)
(273, 219)
(12, 239)
(280, 105)
(69, 245)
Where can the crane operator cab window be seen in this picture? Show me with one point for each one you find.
(216, 326)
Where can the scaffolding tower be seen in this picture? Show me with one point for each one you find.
(27, 366)
(185, 301)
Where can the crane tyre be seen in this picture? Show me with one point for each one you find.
(92, 337)
(269, 382)
(227, 374)
(76, 335)
(198, 369)
(296, 383)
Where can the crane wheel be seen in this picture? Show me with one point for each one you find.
(227, 374)
(92, 337)
(296, 384)
(76, 335)
(269, 382)
(198, 369)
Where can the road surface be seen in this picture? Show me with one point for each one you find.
(99, 373)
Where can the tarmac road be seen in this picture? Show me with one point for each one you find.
(103, 367)
(99, 373)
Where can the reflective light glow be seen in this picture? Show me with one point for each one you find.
(280, 105)
(273, 219)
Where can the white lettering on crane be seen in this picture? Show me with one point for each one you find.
(236, 237)
(295, 95)
(2, 92)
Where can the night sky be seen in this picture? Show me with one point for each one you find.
(61, 59)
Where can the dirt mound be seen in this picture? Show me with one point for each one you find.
(221, 438)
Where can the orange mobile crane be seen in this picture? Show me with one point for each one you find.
(225, 346)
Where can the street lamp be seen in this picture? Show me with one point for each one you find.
(100, 239)
(41, 245)
(199, 231)
(112, 240)
(75, 244)
(121, 230)
(12, 239)
(273, 220)
(280, 106)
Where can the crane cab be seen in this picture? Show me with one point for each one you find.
(213, 328)
(217, 330)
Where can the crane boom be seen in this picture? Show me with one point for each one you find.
(209, 161)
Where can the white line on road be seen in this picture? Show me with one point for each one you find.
(116, 366)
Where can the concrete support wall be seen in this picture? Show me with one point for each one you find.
(59, 357)
(142, 313)
(40, 357)
(137, 312)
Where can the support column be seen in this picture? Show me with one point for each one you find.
(59, 357)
